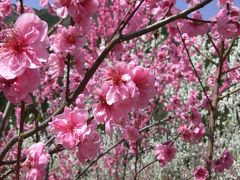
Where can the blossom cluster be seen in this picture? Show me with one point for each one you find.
(80, 11)
(72, 130)
(22, 53)
(224, 163)
(125, 88)
(165, 152)
(179, 73)
(36, 161)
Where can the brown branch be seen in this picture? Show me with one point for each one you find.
(130, 17)
(199, 20)
(205, 56)
(227, 52)
(68, 65)
(162, 23)
(121, 22)
(213, 111)
(51, 31)
(214, 45)
(4, 117)
(21, 6)
(229, 94)
(149, 164)
(89, 74)
(29, 133)
(233, 69)
(7, 173)
(20, 140)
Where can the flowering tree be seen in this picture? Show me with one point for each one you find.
(121, 89)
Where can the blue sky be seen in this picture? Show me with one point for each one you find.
(208, 11)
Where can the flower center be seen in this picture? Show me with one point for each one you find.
(115, 77)
(65, 3)
(71, 39)
(13, 41)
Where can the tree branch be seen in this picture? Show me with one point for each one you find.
(233, 69)
(89, 74)
(4, 117)
(20, 141)
(149, 164)
(162, 23)
(205, 56)
(213, 112)
(229, 94)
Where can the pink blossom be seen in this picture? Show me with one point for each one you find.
(24, 46)
(218, 166)
(43, 3)
(145, 82)
(195, 116)
(175, 101)
(186, 133)
(193, 28)
(200, 173)
(224, 2)
(61, 7)
(104, 112)
(225, 162)
(76, 9)
(5, 9)
(193, 2)
(227, 159)
(18, 88)
(70, 126)
(131, 134)
(89, 147)
(87, 6)
(165, 153)
(67, 41)
(122, 87)
(56, 65)
(198, 132)
(228, 22)
(36, 162)
(159, 8)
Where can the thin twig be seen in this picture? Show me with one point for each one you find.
(51, 31)
(214, 45)
(130, 17)
(229, 94)
(7, 173)
(213, 112)
(121, 22)
(99, 156)
(50, 141)
(4, 117)
(205, 56)
(193, 67)
(199, 20)
(227, 52)
(149, 164)
(233, 69)
(68, 65)
(20, 141)
(162, 23)
(21, 7)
